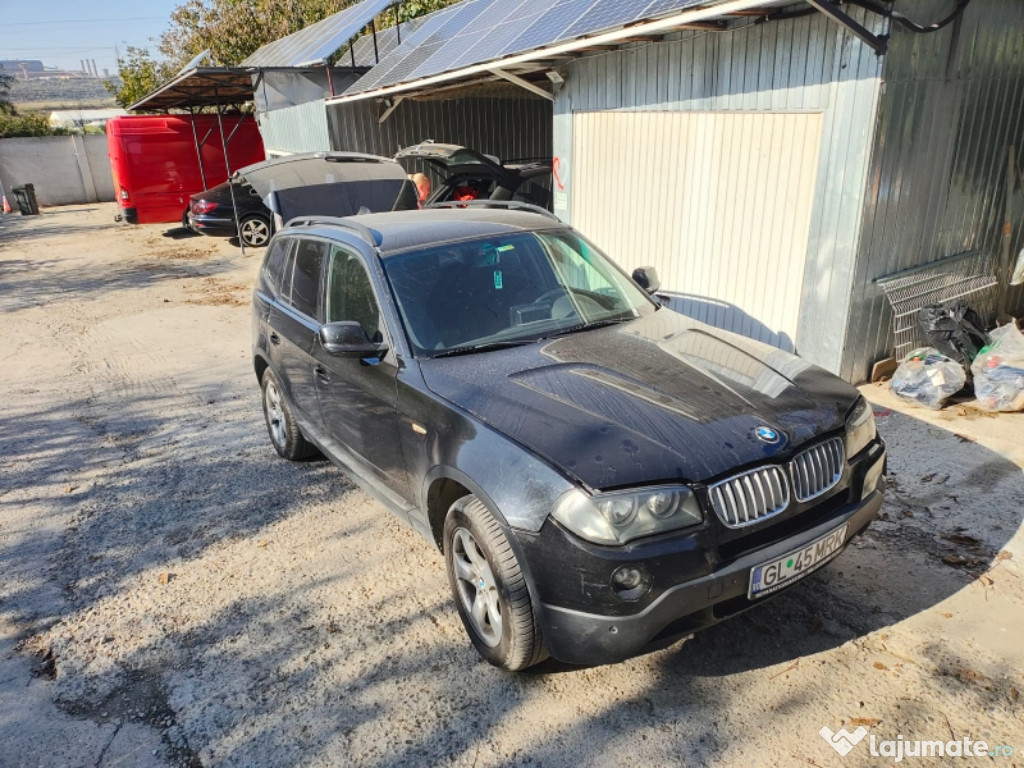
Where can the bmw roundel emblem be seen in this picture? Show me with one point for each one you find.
(767, 435)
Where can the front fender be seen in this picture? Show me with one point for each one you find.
(518, 489)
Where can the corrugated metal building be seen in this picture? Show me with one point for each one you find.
(773, 172)
(770, 171)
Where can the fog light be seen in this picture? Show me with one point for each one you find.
(627, 578)
(630, 582)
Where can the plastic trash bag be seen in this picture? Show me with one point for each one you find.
(927, 377)
(954, 329)
(999, 371)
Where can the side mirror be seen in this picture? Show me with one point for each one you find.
(647, 278)
(348, 339)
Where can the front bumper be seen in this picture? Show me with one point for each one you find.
(577, 636)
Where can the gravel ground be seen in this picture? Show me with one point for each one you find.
(172, 594)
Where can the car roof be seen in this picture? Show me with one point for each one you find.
(403, 230)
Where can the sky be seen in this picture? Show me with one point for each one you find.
(62, 32)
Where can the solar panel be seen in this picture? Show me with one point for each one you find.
(559, 16)
(316, 43)
(387, 41)
(409, 42)
(479, 31)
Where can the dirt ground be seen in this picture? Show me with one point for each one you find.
(172, 594)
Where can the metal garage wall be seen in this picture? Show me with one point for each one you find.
(302, 128)
(801, 65)
(953, 103)
(722, 203)
(508, 128)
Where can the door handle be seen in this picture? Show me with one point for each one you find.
(274, 338)
(321, 373)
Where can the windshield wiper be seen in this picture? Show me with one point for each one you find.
(488, 347)
(590, 326)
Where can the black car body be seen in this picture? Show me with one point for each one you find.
(471, 175)
(599, 478)
(316, 183)
(217, 213)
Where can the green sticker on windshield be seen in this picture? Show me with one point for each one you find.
(497, 279)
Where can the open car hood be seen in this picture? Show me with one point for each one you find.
(330, 184)
(447, 156)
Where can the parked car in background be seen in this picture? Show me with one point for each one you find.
(471, 175)
(270, 193)
(600, 472)
(216, 212)
(156, 167)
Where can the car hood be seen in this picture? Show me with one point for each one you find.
(661, 398)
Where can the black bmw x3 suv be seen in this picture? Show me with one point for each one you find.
(601, 473)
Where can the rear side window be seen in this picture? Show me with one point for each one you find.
(350, 294)
(276, 265)
(309, 264)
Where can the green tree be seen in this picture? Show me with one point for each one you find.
(32, 124)
(140, 74)
(412, 9)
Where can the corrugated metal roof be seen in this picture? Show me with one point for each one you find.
(199, 87)
(316, 43)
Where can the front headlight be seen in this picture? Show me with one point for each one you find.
(621, 516)
(860, 428)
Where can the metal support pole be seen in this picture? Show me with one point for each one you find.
(199, 148)
(227, 165)
(398, 24)
(330, 80)
(373, 29)
(237, 126)
(1006, 258)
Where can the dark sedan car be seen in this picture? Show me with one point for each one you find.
(600, 472)
(212, 212)
(313, 183)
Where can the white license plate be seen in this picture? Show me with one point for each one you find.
(775, 574)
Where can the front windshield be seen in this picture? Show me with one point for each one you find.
(506, 289)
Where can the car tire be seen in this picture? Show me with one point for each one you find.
(490, 591)
(285, 435)
(254, 230)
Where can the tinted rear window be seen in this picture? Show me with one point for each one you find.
(306, 293)
(275, 266)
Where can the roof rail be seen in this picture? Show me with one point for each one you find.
(370, 236)
(509, 204)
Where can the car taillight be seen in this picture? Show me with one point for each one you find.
(203, 206)
(124, 194)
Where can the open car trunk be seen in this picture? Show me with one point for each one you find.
(330, 184)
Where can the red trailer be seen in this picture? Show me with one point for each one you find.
(156, 163)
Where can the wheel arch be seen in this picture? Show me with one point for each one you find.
(260, 365)
(442, 488)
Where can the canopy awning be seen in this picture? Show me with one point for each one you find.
(481, 41)
(200, 87)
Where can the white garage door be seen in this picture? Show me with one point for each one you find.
(719, 202)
